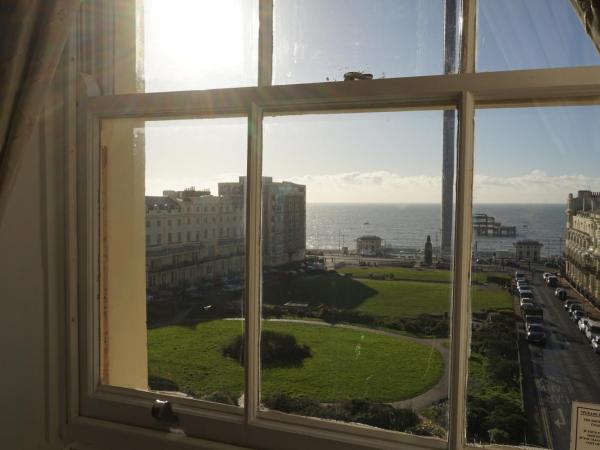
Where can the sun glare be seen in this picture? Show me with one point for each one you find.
(197, 44)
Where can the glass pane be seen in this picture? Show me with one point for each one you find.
(531, 356)
(356, 279)
(173, 245)
(197, 44)
(532, 34)
(321, 40)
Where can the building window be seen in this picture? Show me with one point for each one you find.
(360, 131)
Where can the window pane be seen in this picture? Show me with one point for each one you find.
(321, 40)
(356, 288)
(530, 357)
(173, 256)
(197, 44)
(532, 34)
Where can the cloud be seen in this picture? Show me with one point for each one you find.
(389, 187)
(384, 186)
(376, 186)
(533, 187)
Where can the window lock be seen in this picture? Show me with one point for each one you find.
(162, 411)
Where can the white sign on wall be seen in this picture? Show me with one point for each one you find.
(585, 426)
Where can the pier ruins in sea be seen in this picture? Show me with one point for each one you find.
(484, 225)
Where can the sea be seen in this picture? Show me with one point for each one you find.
(335, 225)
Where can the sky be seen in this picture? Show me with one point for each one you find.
(528, 155)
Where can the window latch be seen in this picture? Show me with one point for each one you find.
(162, 411)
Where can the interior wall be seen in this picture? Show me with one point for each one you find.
(22, 324)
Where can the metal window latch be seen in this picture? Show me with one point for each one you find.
(162, 410)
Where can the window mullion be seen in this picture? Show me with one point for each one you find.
(265, 43)
(253, 262)
(461, 306)
(468, 40)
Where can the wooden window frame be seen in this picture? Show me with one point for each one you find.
(120, 417)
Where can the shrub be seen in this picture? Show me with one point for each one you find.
(357, 410)
(221, 397)
(276, 350)
(157, 383)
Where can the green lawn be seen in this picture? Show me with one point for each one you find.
(400, 273)
(345, 363)
(406, 298)
(378, 297)
(415, 274)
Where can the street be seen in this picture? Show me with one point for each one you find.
(562, 371)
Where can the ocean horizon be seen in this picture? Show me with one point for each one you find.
(407, 225)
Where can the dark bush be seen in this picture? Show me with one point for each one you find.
(157, 383)
(221, 397)
(276, 350)
(358, 410)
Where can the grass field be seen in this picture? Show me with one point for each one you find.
(415, 274)
(379, 297)
(345, 363)
(400, 273)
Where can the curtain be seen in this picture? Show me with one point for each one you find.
(33, 34)
(589, 14)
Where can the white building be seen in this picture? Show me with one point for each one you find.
(193, 235)
(529, 250)
(369, 245)
(582, 243)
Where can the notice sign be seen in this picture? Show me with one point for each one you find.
(585, 426)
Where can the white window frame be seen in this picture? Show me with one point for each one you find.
(105, 414)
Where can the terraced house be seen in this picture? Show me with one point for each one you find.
(192, 235)
(583, 242)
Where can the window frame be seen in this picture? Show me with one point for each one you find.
(96, 407)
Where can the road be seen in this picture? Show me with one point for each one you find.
(563, 371)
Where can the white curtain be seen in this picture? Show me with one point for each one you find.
(33, 34)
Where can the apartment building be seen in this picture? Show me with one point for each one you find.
(193, 235)
(582, 246)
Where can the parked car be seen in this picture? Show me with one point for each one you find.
(526, 301)
(596, 344)
(592, 330)
(552, 281)
(523, 287)
(526, 293)
(519, 275)
(574, 307)
(560, 293)
(578, 314)
(529, 307)
(531, 320)
(582, 324)
(568, 303)
(536, 333)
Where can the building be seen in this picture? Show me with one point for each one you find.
(529, 250)
(582, 243)
(284, 219)
(192, 235)
(369, 245)
(484, 225)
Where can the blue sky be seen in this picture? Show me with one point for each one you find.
(527, 155)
